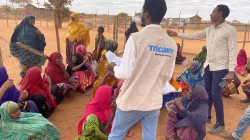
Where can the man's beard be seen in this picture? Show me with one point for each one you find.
(143, 22)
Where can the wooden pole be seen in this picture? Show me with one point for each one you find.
(114, 28)
(57, 32)
(95, 20)
(117, 28)
(53, 21)
(182, 40)
(179, 21)
(47, 17)
(245, 36)
(1, 58)
(108, 20)
(7, 18)
(248, 31)
(14, 12)
(125, 32)
(7, 14)
(195, 18)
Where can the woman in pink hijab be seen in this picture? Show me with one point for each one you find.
(241, 62)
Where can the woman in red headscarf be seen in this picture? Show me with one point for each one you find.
(40, 91)
(56, 70)
(241, 62)
(103, 107)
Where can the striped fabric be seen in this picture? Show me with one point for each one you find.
(71, 48)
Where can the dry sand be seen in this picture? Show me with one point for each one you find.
(67, 115)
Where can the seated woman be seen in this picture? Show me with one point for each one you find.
(111, 46)
(109, 80)
(8, 92)
(241, 62)
(187, 116)
(88, 58)
(172, 90)
(179, 57)
(56, 70)
(245, 84)
(25, 126)
(192, 77)
(201, 57)
(40, 91)
(79, 68)
(102, 64)
(99, 114)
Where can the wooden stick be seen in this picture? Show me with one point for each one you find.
(57, 31)
(125, 32)
(245, 36)
(31, 49)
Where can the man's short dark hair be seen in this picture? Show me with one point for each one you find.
(156, 9)
(101, 29)
(224, 9)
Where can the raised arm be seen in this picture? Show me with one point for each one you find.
(76, 68)
(198, 35)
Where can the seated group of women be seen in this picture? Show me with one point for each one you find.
(29, 124)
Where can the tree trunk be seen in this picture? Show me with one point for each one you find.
(59, 17)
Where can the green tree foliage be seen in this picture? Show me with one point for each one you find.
(61, 9)
(21, 3)
(122, 14)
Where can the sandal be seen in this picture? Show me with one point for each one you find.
(246, 100)
(227, 136)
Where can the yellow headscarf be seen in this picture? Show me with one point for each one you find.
(77, 31)
(104, 52)
(102, 65)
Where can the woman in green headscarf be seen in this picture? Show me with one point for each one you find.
(111, 45)
(201, 57)
(91, 130)
(15, 125)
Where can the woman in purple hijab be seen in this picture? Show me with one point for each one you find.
(8, 92)
(187, 116)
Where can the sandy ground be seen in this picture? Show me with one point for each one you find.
(67, 115)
